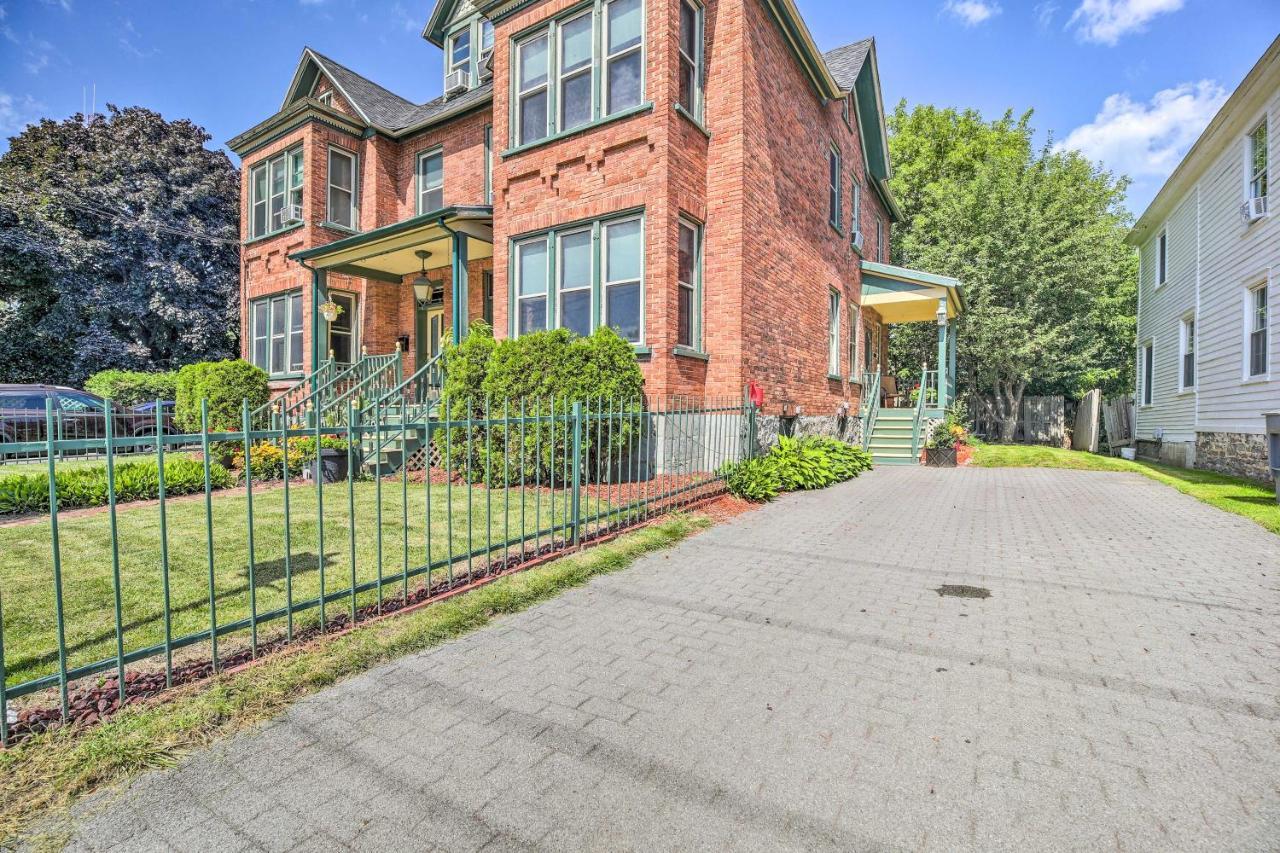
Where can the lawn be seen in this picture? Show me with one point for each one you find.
(457, 523)
(1250, 499)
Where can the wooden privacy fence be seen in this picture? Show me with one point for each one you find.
(1042, 421)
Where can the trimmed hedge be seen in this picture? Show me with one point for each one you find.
(793, 464)
(87, 487)
(132, 387)
(225, 384)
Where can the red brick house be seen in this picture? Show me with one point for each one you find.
(696, 175)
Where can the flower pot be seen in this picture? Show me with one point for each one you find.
(331, 466)
(940, 457)
(964, 454)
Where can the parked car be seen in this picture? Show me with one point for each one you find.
(77, 415)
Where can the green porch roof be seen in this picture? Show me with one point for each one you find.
(903, 295)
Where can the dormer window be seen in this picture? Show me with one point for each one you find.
(486, 42)
(460, 51)
(326, 98)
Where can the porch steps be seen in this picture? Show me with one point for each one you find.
(891, 437)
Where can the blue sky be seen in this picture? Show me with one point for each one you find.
(1130, 82)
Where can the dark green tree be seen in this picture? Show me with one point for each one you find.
(119, 247)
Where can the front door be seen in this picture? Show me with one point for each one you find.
(429, 335)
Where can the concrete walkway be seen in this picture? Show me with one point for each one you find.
(793, 680)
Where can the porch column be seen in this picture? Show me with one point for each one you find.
(944, 326)
(460, 312)
(952, 334)
(319, 328)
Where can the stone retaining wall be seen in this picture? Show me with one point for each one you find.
(1238, 454)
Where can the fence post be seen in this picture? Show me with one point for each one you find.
(576, 517)
(4, 705)
(248, 497)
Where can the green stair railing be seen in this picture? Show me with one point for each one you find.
(295, 394)
(870, 405)
(383, 373)
(927, 398)
(414, 399)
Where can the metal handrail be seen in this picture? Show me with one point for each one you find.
(279, 403)
(919, 419)
(870, 406)
(370, 383)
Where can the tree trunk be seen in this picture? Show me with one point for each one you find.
(1009, 405)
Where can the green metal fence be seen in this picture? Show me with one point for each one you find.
(102, 606)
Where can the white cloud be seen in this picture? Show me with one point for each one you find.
(1147, 140)
(16, 112)
(1044, 14)
(972, 12)
(1106, 21)
(65, 5)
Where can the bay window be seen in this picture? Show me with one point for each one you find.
(275, 333)
(575, 274)
(691, 49)
(623, 274)
(342, 188)
(275, 200)
(689, 284)
(555, 70)
(430, 181)
(531, 285)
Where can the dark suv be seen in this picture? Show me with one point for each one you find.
(77, 415)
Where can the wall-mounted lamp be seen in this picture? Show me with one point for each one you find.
(942, 312)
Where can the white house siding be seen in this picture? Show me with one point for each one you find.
(1172, 412)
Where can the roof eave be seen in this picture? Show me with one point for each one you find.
(298, 110)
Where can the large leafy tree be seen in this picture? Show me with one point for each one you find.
(1036, 236)
(118, 247)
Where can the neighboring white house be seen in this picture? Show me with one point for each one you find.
(1208, 347)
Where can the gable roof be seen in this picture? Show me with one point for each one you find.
(846, 62)
(856, 71)
(378, 107)
(444, 14)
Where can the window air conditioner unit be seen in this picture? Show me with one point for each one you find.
(858, 238)
(290, 214)
(457, 81)
(1254, 209)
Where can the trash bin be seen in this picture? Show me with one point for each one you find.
(1273, 440)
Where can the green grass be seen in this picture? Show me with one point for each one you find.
(40, 777)
(40, 466)
(1247, 498)
(26, 563)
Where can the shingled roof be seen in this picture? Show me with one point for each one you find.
(846, 62)
(379, 106)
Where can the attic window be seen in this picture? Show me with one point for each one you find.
(326, 98)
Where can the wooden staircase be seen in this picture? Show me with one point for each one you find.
(892, 437)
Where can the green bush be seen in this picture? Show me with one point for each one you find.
(801, 465)
(540, 370)
(87, 487)
(847, 460)
(225, 384)
(266, 459)
(131, 387)
(755, 480)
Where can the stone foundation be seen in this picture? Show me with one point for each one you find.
(847, 428)
(1235, 453)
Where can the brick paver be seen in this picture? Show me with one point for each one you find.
(791, 680)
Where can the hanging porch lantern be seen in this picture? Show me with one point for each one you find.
(422, 284)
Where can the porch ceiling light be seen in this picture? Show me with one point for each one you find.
(422, 284)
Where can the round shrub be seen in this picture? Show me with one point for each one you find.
(226, 385)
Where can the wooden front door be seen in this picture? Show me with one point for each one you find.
(429, 336)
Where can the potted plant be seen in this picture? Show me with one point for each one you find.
(948, 445)
(331, 461)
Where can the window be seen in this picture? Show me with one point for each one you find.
(531, 285)
(342, 331)
(689, 285)
(342, 188)
(691, 49)
(880, 238)
(1257, 166)
(486, 297)
(868, 349)
(623, 273)
(575, 270)
(1188, 348)
(531, 90)
(430, 181)
(1258, 331)
(275, 333)
(488, 164)
(73, 402)
(570, 277)
(556, 92)
(23, 401)
(833, 333)
(833, 186)
(1148, 372)
(844, 111)
(275, 201)
(853, 341)
(576, 71)
(1162, 258)
(855, 226)
(460, 51)
(326, 98)
(486, 42)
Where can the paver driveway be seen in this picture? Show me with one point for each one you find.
(792, 680)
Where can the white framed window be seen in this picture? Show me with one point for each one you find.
(624, 55)
(844, 111)
(853, 341)
(1257, 160)
(1162, 258)
(575, 43)
(689, 286)
(275, 193)
(834, 174)
(833, 332)
(532, 72)
(344, 330)
(691, 57)
(460, 51)
(326, 98)
(1257, 332)
(855, 225)
(623, 261)
(430, 171)
(342, 188)
(1187, 354)
(1148, 372)
(575, 271)
(879, 238)
(488, 164)
(531, 273)
(275, 333)
(486, 41)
